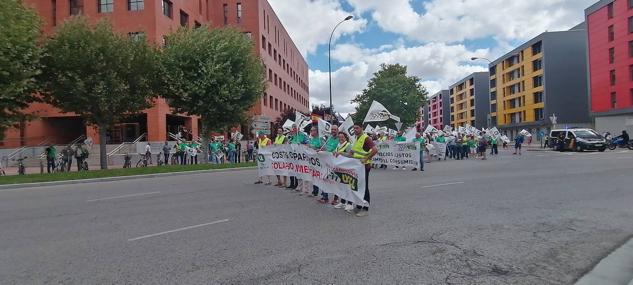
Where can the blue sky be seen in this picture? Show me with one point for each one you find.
(434, 38)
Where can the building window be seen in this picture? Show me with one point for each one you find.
(631, 95)
(493, 83)
(493, 70)
(538, 114)
(537, 65)
(630, 25)
(168, 8)
(197, 24)
(276, 104)
(631, 72)
(538, 97)
(610, 10)
(631, 48)
(270, 50)
(54, 12)
(270, 101)
(630, 4)
(270, 75)
(614, 100)
(611, 33)
(226, 14)
(275, 79)
(611, 55)
(137, 36)
(239, 13)
(184, 19)
(612, 77)
(263, 43)
(537, 81)
(76, 7)
(536, 48)
(493, 95)
(135, 5)
(106, 6)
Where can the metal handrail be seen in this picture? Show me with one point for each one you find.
(119, 147)
(20, 150)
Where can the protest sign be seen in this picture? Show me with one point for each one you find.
(342, 176)
(378, 113)
(398, 154)
(348, 128)
(438, 150)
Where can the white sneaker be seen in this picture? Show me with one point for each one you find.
(349, 208)
(404, 168)
(339, 206)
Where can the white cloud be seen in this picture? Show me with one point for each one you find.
(458, 20)
(437, 64)
(310, 22)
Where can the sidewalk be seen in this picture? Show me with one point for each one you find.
(615, 269)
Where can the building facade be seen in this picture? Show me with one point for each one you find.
(470, 101)
(545, 77)
(438, 109)
(610, 50)
(153, 20)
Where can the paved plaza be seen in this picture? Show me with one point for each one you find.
(539, 218)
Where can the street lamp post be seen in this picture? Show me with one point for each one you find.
(329, 54)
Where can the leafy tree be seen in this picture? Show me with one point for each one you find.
(98, 74)
(402, 95)
(214, 74)
(19, 61)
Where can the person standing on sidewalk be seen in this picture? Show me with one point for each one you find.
(148, 153)
(280, 139)
(296, 137)
(315, 143)
(67, 156)
(166, 152)
(262, 143)
(330, 145)
(518, 141)
(363, 149)
(494, 149)
(51, 155)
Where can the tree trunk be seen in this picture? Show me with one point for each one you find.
(205, 140)
(103, 156)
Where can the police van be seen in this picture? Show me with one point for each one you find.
(576, 139)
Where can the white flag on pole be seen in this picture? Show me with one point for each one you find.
(410, 134)
(378, 113)
(300, 119)
(288, 125)
(348, 128)
(525, 133)
(494, 132)
(325, 128)
(369, 129)
(430, 129)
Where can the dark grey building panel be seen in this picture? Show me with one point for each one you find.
(482, 99)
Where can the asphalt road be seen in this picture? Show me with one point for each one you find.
(541, 218)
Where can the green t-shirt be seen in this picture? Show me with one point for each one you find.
(51, 152)
(214, 146)
(420, 140)
(471, 143)
(182, 146)
(400, 139)
(466, 141)
(231, 146)
(299, 138)
(331, 144)
(440, 139)
(316, 143)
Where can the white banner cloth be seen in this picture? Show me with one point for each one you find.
(398, 154)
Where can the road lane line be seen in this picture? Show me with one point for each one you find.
(178, 230)
(444, 184)
(123, 196)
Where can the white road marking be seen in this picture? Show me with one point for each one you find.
(444, 184)
(124, 196)
(178, 230)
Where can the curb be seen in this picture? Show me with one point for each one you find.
(615, 269)
(118, 178)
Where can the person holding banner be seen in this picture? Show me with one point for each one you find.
(263, 142)
(330, 145)
(518, 141)
(296, 137)
(420, 139)
(279, 140)
(399, 138)
(363, 149)
(494, 149)
(342, 148)
(315, 143)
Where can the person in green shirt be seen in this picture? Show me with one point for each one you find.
(465, 148)
(231, 149)
(472, 145)
(51, 155)
(316, 143)
(400, 138)
(332, 142)
(440, 139)
(420, 139)
(214, 149)
(494, 150)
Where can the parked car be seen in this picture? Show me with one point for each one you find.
(577, 139)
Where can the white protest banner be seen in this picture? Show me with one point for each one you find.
(525, 133)
(439, 150)
(300, 119)
(369, 129)
(288, 125)
(378, 113)
(505, 139)
(325, 128)
(410, 134)
(348, 127)
(430, 129)
(447, 129)
(398, 154)
(494, 132)
(461, 130)
(342, 176)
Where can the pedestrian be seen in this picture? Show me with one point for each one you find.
(166, 152)
(51, 155)
(148, 153)
(67, 156)
(280, 139)
(494, 149)
(262, 143)
(238, 151)
(232, 151)
(420, 140)
(183, 148)
(297, 137)
(465, 146)
(364, 150)
(192, 151)
(315, 143)
(518, 141)
(249, 151)
(81, 153)
(214, 149)
(330, 145)
(482, 145)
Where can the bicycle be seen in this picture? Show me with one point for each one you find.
(60, 165)
(159, 159)
(142, 162)
(21, 167)
(84, 165)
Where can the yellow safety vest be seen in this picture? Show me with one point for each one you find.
(263, 142)
(341, 149)
(280, 139)
(357, 149)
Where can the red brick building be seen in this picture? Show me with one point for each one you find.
(610, 42)
(286, 68)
